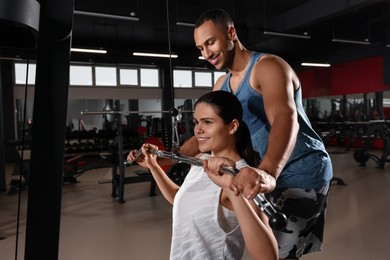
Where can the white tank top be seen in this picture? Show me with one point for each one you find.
(202, 228)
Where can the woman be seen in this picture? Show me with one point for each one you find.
(209, 220)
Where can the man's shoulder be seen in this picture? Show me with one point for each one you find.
(219, 82)
(269, 57)
(272, 61)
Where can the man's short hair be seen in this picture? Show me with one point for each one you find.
(217, 16)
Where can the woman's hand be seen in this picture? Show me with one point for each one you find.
(131, 156)
(223, 180)
(149, 158)
(213, 166)
(146, 158)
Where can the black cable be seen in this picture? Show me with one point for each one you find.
(169, 50)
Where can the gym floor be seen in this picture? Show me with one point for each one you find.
(95, 226)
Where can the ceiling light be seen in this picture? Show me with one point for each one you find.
(304, 36)
(158, 55)
(365, 42)
(11, 58)
(101, 51)
(185, 24)
(388, 45)
(201, 58)
(109, 16)
(315, 64)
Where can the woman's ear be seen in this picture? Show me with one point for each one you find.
(234, 126)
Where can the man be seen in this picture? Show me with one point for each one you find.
(295, 170)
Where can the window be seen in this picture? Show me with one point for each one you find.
(182, 78)
(128, 77)
(20, 73)
(105, 76)
(80, 75)
(149, 78)
(203, 79)
(218, 74)
(91, 75)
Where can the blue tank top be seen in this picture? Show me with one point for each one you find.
(309, 166)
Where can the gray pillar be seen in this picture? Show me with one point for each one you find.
(167, 103)
(379, 104)
(168, 94)
(386, 66)
(133, 119)
(343, 107)
(366, 108)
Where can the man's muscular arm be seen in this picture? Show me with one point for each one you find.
(190, 147)
(276, 81)
(277, 86)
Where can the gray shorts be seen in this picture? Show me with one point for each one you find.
(305, 210)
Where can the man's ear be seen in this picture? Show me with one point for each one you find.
(234, 126)
(231, 33)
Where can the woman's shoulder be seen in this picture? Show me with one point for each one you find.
(203, 156)
(241, 164)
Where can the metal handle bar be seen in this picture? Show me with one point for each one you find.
(277, 220)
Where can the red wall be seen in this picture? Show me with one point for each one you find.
(361, 76)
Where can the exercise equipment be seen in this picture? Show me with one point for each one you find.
(117, 152)
(75, 167)
(277, 220)
(376, 128)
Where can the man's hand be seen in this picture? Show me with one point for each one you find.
(252, 181)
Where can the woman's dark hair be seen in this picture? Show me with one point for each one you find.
(217, 16)
(228, 107)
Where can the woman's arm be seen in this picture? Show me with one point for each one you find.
(259, 239)
(167, 187)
